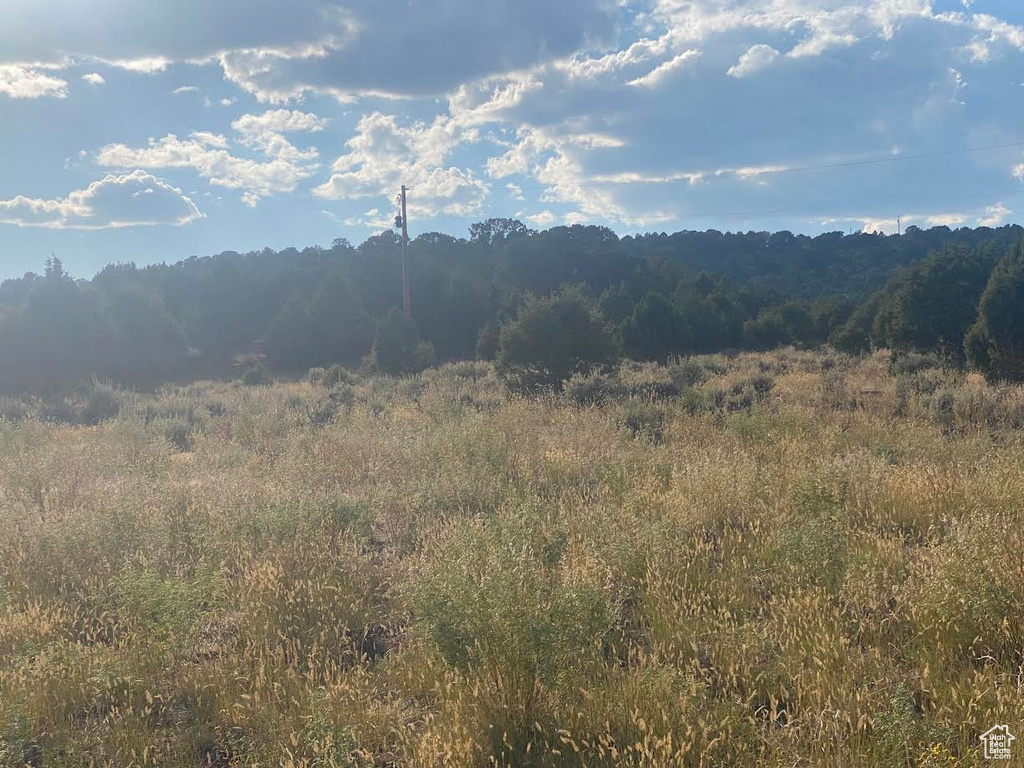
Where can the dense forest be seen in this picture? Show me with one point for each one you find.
(953, 292)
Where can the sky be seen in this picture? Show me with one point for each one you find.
(153, 131)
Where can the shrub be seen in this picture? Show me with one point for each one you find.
(12, 409)
(594, 389)
(762, 385)
(941, 407)
(550, 339)
(58, 412)
(811, 548)
(834, 392)
(643, 419)
(162, 606)
(494, 608)
(177, 432)
(745, 394)
(257, 376)
(330, 377)
(103, 403)
(909, 363)
(688, 372)
(338, 374)
(215, 408)
(655, 390)
(322, 411)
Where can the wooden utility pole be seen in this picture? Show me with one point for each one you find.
(406, 295)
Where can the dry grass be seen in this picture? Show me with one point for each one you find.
(786, 559)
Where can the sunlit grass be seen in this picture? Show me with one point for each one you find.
(784, 559)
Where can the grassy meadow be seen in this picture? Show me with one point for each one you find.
(788, 559)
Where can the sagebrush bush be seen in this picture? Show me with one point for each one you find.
(331, 377)
(12, 409)
(58, 412)
(689, 372)
(908, 363)
(257, 376)
(103, 402)
(177, 431)
(593, 389)
(643, 419)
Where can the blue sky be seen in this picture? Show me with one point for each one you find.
(154, 131)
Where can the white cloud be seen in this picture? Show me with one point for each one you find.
(995, 215)
(186, 89)
(821, 41)
(94, 78)
(278, 121)
(580, 67)
(543, 220)
(371, 219)
(758, 57)
(885, 226)
(892, 226)
(640, 131)
(284, 166)
(348, 48)
(946, 220)
(383, 155)
(210, 139)
(992, 32)
(145, 65)
(134, 199)
(25, 81)
(663, 71)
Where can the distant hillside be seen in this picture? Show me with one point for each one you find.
(319, 306)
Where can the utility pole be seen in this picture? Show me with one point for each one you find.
(899, 225)
(406, 294)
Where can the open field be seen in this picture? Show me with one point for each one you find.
(785, 559)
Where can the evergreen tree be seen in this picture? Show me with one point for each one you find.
(995, 344)
(935, 303)
(655, 330)
(550, 339)
(397, 348)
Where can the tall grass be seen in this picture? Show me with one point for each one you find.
(782, 559)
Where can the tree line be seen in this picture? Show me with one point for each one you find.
(506, 291)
